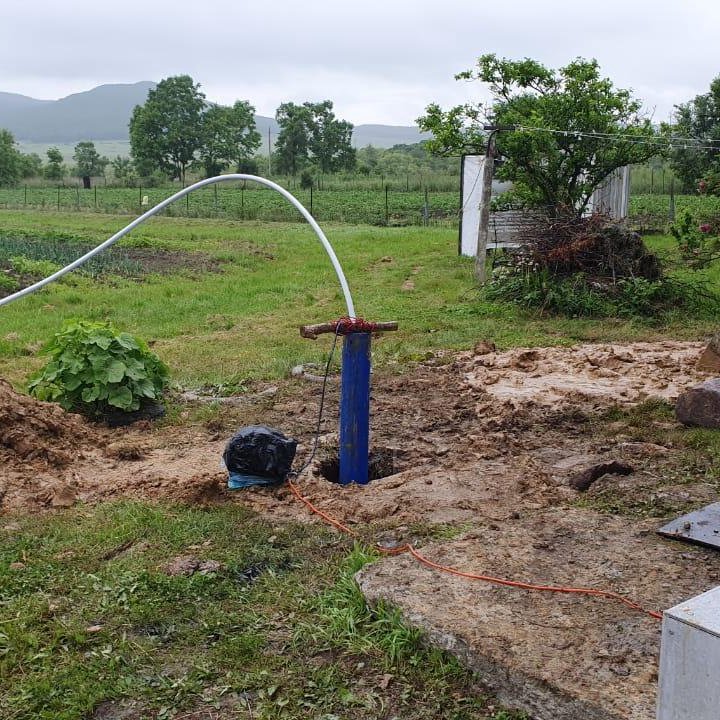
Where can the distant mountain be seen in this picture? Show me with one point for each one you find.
(12, 102)
(385, 136)
(103, 114)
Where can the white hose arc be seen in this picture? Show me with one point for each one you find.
(181, 193)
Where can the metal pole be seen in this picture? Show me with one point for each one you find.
(355, 409)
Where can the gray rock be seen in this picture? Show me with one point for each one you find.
(700, 405)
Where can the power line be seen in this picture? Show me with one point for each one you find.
(672, 141)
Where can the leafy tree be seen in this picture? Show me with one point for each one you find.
(245, 137)
(30, 165)
(311, 133)
(122, 168)
(89, 162)
(9, 159)
(330, 141)
(292, 144)
(166, 132)
(229, 136)
(571, 128)
(700, 119)
(54, 169)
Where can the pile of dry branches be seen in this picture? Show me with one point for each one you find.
(597, 246)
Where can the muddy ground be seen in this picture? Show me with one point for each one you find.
(486, 446)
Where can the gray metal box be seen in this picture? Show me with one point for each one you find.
(689, 683)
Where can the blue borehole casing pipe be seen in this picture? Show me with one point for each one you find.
(355, 408)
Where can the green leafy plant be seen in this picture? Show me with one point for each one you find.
(698, 242)
(8, 283)
(35, 268)
(93, 368)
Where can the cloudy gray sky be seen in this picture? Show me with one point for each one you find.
(379, 60)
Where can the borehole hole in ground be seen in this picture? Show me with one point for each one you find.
(381, 464)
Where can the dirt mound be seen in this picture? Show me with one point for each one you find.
(466, 438)
(585, 374)
(32, 431)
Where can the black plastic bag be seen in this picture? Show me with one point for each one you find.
(258, 455)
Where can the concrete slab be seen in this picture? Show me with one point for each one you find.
(559, 657)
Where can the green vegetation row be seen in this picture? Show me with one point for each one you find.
(397, 206)
(373, 207)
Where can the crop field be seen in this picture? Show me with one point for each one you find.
(368, 206)
(658, 206)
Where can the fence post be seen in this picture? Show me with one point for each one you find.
(58, 198)
(387, 210)
(671, 209)
(140, 197)
(311, 199)
(242, 201)
(26, 195)
(77, 191)
(216, 202)
(426, 210)
(96, 197)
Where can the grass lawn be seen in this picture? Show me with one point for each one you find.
(91, 625)
(241, 323)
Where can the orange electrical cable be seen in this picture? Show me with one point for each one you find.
(591, 592)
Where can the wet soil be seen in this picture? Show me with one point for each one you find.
(484, 447)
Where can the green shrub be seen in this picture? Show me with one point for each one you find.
(94, 368)
(582, 296)
(306, 180)
(698, 243)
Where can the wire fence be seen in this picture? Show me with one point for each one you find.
(388, 206)
(245, 201)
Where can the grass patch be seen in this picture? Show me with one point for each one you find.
(89, 620)
(242, 323)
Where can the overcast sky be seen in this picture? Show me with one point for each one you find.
(379, 61)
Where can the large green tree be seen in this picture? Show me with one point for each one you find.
(88, 162)
(54, 168)
(698, 119)
(330, 139)
(292, 144)
(167, 131)
(310, 133)
(9, 159)
(30, 165)
(229, 137)
(565, 130)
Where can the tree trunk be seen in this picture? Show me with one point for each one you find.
(86, 182)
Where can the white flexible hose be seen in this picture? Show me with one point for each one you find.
(161, 206)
